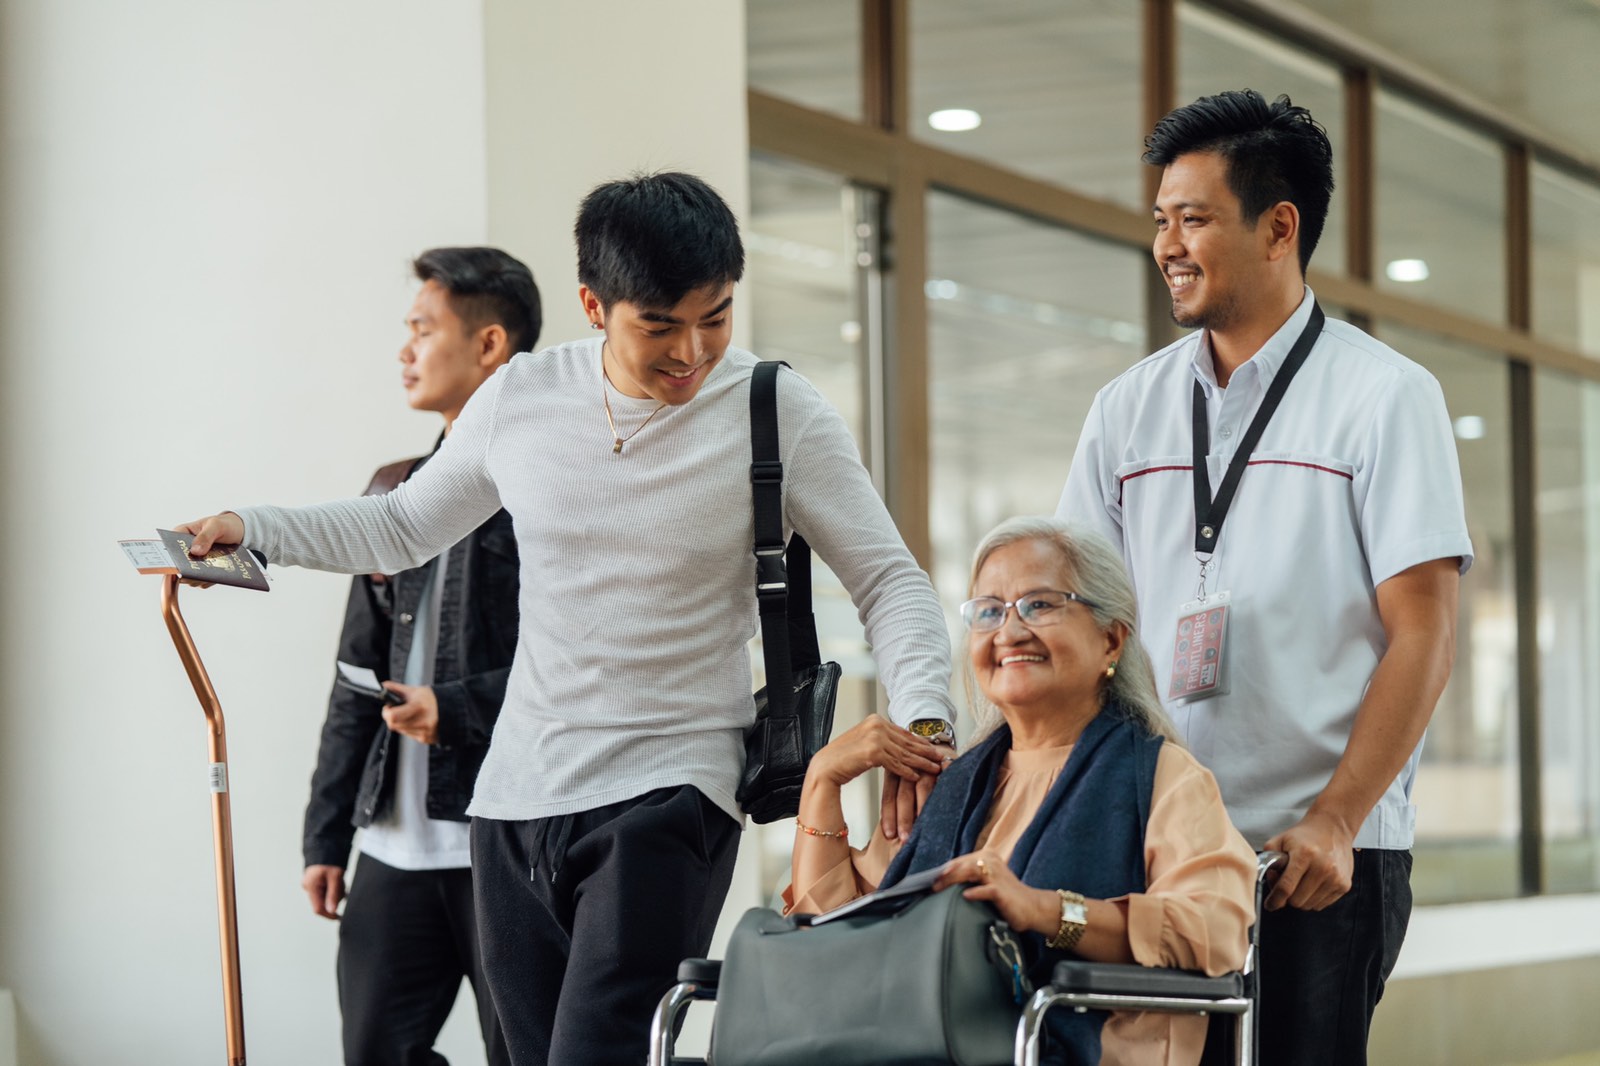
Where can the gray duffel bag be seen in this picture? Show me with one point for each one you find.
(913, 981)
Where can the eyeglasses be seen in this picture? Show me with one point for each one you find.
(1042, 607)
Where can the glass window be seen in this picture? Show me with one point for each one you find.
(1567, 425)
(1566, 260)
(806, 301)
(1053, 86)
(809, 53)
(1468, 812)
(807, 294)
(1216, 53)
(1026, 322)
(1440, 205)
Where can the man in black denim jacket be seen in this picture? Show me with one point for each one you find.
(440, 640)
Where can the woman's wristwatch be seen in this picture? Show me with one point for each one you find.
(935, 729)
(1074, 920)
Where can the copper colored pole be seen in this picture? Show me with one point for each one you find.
(221, 820)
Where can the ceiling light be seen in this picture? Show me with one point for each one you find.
(1469, 427)
(955, 120)
(1407, 270)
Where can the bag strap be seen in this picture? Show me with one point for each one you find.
(783, 586)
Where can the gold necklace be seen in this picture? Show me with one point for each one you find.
(605, 397)
(618, 442)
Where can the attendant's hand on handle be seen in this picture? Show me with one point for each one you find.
(324, 886)
(418, 716)
(1321, 852)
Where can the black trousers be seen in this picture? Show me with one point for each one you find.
(406, 940)
(584, 918)
(1322, 972)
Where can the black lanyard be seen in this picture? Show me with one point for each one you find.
(1208, 512)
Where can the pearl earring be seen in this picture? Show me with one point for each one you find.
(1111, 671)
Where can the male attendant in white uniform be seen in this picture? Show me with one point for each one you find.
(1287, 497)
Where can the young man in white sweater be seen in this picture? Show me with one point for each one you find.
(604, 822)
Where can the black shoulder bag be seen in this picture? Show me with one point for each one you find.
(792, 725)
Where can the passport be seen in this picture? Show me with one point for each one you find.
(230, 565)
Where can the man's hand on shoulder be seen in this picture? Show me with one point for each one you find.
(903, 800)
(1321, 852)
(324, 886)
(418, 716)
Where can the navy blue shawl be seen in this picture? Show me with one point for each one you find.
(1087, 836)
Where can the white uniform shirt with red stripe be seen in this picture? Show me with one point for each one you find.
(1354, 480)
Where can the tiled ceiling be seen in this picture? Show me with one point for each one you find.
(1534, 59)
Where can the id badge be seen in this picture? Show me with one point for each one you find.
(1198, 661)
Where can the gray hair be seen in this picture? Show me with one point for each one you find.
(1096, 568)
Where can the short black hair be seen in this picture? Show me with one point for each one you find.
(487, 287)
(652, 239)
(1275, 152)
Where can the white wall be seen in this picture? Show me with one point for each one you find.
(208, 214)
(585, 93)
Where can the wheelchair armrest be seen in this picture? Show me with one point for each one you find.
(704, 972)
(1119, 979)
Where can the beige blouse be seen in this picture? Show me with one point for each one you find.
(1194, 913)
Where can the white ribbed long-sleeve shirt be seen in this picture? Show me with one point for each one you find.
(637, 593)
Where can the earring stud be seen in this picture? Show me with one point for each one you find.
(1111, 671)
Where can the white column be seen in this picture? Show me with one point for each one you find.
(208, 211)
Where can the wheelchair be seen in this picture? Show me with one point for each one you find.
(1075, 985)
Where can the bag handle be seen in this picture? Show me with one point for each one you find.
(783, 583)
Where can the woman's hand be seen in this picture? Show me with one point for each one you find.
(1027, 910)
(877, 742)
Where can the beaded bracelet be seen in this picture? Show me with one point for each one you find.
(843, 834)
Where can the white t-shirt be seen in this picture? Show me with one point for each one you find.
(406, 837)
(637, 595)
(1354, 480)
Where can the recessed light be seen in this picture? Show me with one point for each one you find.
(955, 120)
(1469, 427)
(1407, 270)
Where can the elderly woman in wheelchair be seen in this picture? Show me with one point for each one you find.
(1076, 812)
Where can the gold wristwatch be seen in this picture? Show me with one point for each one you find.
(1074, 920)
(935, 729)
